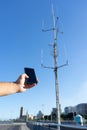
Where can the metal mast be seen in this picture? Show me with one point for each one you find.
(56, 67)
(56, 70)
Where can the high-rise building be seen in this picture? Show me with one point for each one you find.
(21, 112)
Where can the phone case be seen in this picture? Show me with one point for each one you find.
(32, 76)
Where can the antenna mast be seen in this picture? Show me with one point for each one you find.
(56, 67)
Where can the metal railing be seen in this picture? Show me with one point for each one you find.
(53, 126)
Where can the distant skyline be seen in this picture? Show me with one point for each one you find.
(21, 41)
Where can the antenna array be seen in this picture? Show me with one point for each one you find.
(56, 67)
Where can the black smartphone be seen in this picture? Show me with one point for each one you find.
(32, 76)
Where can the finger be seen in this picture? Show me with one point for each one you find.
(25, 75)
(27, 86)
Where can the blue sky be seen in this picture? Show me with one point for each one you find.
(21, 41)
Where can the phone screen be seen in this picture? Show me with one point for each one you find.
(32, 76)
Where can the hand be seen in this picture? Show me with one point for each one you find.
(21, 83)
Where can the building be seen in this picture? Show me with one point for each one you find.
(69, 109)
(54, 111)
(40, 115)
(21, 112)
(25, 117)
(79, 109)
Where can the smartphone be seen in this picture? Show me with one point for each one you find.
(32, 76)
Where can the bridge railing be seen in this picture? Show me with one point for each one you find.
(53, 126)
